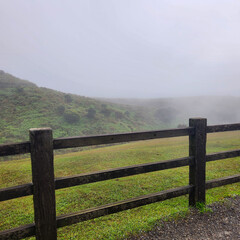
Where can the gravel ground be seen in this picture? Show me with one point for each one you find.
(221, 222)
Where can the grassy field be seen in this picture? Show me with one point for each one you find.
(17, 212)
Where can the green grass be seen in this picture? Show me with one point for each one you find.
(17, 212)
(24, 106)
(202, 208)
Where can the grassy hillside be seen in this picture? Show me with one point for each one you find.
(24, 106)
(17, 212)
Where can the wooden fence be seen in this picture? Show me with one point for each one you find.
(43, 186)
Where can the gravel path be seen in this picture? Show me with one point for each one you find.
(222, 222)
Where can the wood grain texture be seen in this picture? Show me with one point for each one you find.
(223, 128)
(222, 155)
(14, 148)
(197, 171)
(222, 181)
(18, 233)
(16, 191)
(43, 184)
(71, 142)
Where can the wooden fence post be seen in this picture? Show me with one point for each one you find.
(43, 183)
(197, 170)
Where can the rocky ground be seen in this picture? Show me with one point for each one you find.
(218, 221)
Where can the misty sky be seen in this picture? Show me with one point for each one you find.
(124, 48)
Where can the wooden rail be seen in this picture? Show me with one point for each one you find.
(15, 148)
(16, 192)
(41, 146)
(223, 128)
(72, 142)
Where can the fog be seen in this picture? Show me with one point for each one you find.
(113, 48)
(175, 111)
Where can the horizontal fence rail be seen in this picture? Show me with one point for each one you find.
(84, 215)
(16, 192)
(14, 149)
(223, 128)
(72, 142)
(88, 214)
(222, 181)
(70, 181)
(41, 146)
(120, 172)
(21, 232)
(222, 155)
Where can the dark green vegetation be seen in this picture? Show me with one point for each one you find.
(24, 106)
(118, 226)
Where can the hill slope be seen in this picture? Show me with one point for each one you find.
(24, 106)
(217, 109)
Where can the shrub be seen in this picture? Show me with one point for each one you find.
(127, 114)
(104, 105)
(19, 89)
(119, 115)
(71, 116)
(60, 109)
(68, 98)
(91, 113)
(106, 112)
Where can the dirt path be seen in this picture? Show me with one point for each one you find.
(222, 222)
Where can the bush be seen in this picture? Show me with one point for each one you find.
(106, 112)
(71, 116)
(19, 89)
(60, 109)
(119, 115)
(127, 114)
(91, 113)
(68, 98)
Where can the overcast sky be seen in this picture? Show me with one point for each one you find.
(124, 48)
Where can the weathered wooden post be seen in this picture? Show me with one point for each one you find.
(43, 183)
(197, 170)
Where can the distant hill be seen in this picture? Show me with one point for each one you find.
(24, 105)
(217, 109)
